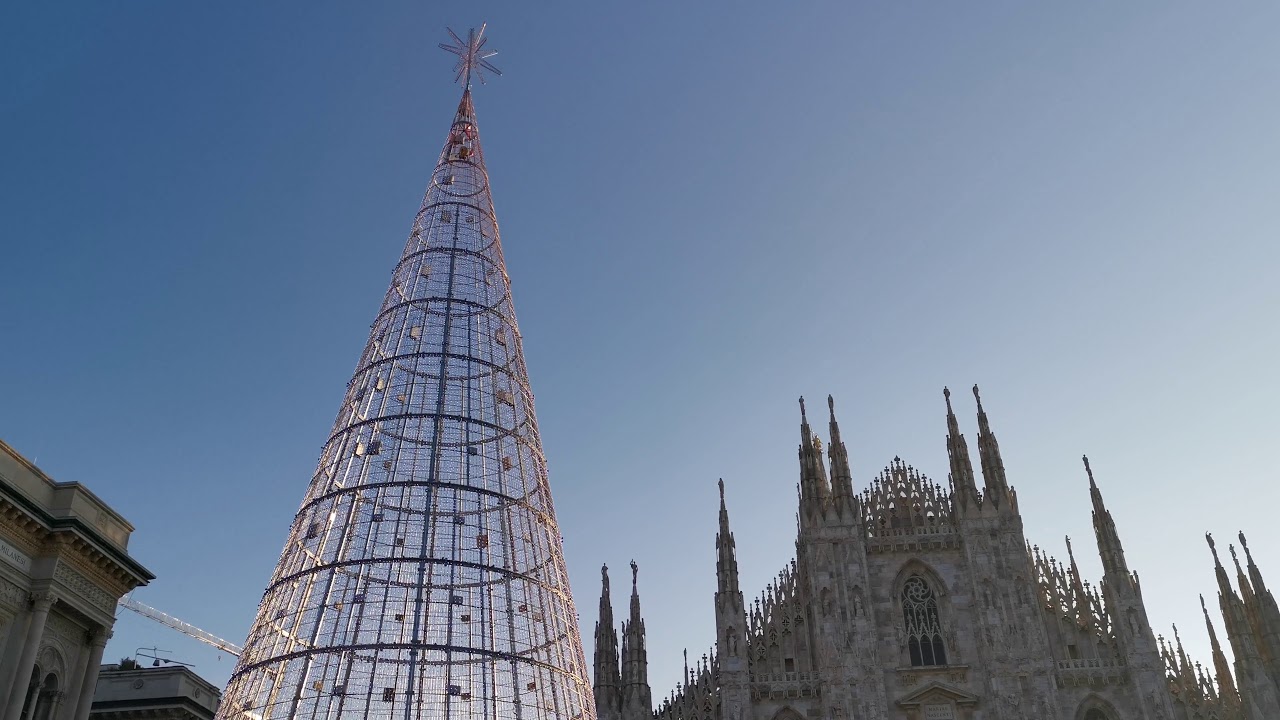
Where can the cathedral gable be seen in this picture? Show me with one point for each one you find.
(937, 701)
(903, 510)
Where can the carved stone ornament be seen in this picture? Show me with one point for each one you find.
(51, 660)
(937, 695)
(11, 595)
(82, 586)
(63, 628)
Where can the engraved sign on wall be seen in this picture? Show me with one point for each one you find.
(15, 557)
(939, 711)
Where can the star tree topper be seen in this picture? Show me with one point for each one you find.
(472, 57)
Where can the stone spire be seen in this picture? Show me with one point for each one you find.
(1083, 607)
(1246, 589)
(1184, 664)
(1264, 613)
(962, 480)
(1255, 575)
(841, 474)
(726, 553)
(993, 475)
(1123, 595)
(607, 674)
(734, 676)
(637, 700)
(1224, 582)
(1248, 598)
(1109, 547)
(814, 490)
(1221, 669)
(1258, 694)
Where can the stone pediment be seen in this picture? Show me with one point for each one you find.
(937, 693)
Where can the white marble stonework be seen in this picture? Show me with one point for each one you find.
(911, 599)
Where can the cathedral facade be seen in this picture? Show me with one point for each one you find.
(910, 600)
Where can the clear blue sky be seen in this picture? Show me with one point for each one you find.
(708, 210)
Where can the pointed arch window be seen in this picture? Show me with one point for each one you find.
(924, 629)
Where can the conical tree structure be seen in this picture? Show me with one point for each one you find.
(423, 576)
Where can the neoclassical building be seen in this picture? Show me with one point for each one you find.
(913, 600)
(64, 563)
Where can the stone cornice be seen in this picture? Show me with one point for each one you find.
(20, 529)
(43, 534)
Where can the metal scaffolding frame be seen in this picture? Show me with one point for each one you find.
(423, 576)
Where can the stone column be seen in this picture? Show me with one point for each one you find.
(89, 674)
(40, 605)
(55, 700)
(13, 651)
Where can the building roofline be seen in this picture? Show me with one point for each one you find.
(70, 484)
(71, 522)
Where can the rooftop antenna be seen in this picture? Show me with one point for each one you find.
(472, 57)
(156, 659)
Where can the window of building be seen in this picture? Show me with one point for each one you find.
(47, 695)
(924, 629)
(1096, 714)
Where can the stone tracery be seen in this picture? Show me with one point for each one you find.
(900, 498)
(922, 625)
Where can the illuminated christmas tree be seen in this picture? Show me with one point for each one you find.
(423, 576)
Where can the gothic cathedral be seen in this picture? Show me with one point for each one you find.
(914, 601)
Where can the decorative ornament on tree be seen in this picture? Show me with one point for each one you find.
(472, 57)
